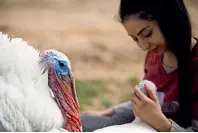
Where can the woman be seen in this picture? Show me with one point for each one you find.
(163, 28)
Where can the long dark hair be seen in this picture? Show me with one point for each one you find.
(173, 20)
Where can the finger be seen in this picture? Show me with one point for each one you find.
(135, 112)
(136, 99)
(133, 102)
(139, 94)
(151, 93)
(134, 107)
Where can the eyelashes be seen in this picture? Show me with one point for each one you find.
(144, 36)
(149, 34)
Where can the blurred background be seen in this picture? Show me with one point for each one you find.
(106, 62)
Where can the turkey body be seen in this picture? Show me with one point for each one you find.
(26, 102)
(136, 126)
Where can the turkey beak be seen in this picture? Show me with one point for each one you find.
(69, 82)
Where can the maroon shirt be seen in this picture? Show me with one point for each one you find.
(167, 83)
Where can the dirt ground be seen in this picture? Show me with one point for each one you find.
(85, 30)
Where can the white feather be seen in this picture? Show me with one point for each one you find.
(136, 126)
(25, 100)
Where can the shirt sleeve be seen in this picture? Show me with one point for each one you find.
(176, 128)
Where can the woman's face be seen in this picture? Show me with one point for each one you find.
(146, 33)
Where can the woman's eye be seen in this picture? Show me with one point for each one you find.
(149, 34)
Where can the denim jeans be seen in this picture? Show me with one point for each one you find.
(91, 123)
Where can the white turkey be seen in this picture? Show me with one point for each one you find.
(37, 90)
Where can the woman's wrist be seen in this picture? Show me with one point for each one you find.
(163, 124)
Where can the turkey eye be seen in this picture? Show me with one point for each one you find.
(61, 64)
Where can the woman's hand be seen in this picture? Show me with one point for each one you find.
(148, 109)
